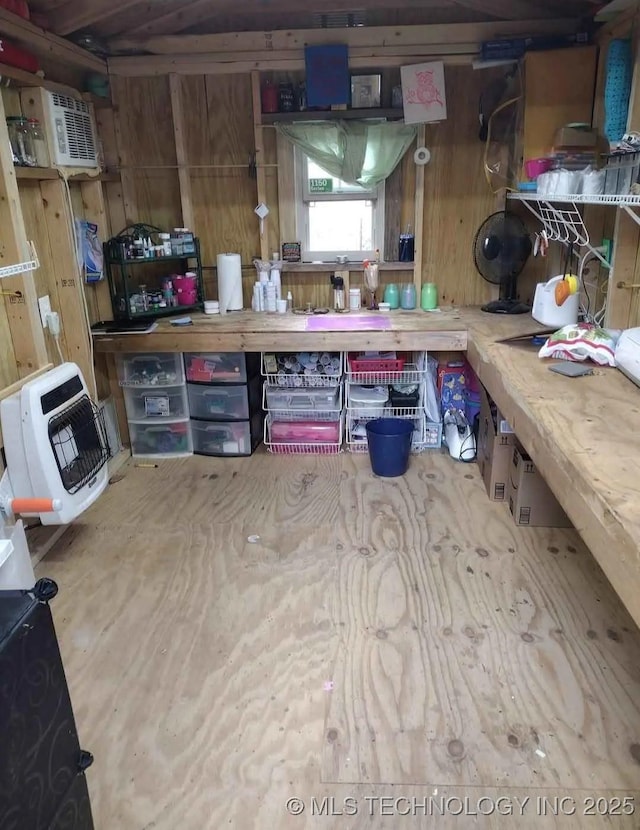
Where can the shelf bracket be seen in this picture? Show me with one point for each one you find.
(565, 225)
(630, 212)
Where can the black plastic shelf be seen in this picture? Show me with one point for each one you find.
(162, 312)
(123, 263)
(395, 114)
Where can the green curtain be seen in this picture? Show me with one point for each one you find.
(355, 151)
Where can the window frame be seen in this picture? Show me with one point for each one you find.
(303, 198)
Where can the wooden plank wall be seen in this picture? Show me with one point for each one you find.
(218, 130)
(45, 212)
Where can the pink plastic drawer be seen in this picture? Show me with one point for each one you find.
(303, 432)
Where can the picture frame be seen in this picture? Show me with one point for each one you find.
(366, 91)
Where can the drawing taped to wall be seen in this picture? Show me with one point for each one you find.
(423, 93)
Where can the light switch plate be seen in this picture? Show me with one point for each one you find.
(44, 304)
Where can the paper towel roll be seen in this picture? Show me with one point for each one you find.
(229, 282)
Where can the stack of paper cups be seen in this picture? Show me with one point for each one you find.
(271, 297)
(229, 282)
(258, 297)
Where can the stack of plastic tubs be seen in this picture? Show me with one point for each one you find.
(387, 386)
(155, 396)
(224, 402)
(303, 399)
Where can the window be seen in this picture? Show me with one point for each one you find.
(334, 218)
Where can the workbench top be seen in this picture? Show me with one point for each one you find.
(444, 330)
(583, 434)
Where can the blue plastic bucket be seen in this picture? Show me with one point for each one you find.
(389, 442)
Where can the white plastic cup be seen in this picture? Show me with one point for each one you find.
(282, 306)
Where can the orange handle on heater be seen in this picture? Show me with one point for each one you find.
(35, 505)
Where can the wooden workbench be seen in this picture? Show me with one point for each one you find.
(581, 433)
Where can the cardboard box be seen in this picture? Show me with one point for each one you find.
(574, 137)
(531, 502)
(495, 445)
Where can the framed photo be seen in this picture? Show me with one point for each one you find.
(365, 91)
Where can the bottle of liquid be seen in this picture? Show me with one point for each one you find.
(338, 292)
(289, 301)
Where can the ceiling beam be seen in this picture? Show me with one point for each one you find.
(46, 44)
(74, 16)
(365, 36)
(153, 65)
(507, 9)
(199, 11)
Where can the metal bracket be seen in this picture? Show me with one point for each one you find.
(564, 224)
(628, 210)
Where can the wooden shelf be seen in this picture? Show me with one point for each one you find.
(331, 115)
(23, 79)
(43, 174)
(326, 267)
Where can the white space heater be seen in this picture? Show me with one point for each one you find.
(72, 131)
(56, 448)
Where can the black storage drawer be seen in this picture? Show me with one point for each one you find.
(41, 763)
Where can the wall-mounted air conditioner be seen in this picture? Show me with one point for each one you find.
(72, 132)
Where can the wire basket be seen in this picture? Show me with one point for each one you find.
(414, 371)
(621, 172)
(297, 370)
(356, 429)
(329, 414)
(302, 447)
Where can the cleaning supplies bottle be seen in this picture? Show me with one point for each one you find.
(289, 301)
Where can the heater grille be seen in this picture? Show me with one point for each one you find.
(78, 438)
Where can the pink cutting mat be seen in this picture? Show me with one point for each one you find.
(348, 323)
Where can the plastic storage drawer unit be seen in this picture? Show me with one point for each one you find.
(148, 370)
(221, 367)
(224, 402)
(156, 404)
(367, 401)
(227, 437)
(165, 440)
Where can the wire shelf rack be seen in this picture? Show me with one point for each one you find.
(412, 373)
(302, 447)
(22, 267)
(579, 198)
(357, 436)
(563, 222)
(296, 370)
(329, 414)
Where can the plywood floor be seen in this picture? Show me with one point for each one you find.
(395, 639)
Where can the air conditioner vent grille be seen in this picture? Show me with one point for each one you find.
(80, 136)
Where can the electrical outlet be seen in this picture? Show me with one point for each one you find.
(44, 304)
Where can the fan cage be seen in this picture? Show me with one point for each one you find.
(507, 277)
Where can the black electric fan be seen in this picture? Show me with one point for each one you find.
(500, 251)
